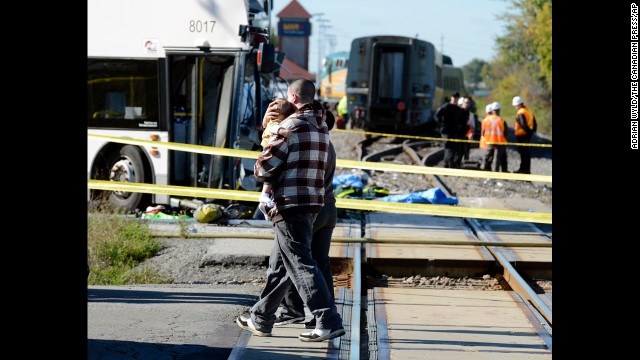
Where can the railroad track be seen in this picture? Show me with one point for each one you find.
(535, 298)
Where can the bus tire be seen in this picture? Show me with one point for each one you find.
(129, 165)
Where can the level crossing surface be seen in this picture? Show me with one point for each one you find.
(399, 322)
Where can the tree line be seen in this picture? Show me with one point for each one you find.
(523, 62)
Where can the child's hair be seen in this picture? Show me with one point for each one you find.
(284, 107)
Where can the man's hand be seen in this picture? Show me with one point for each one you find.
(270, 114)
(264, 210)
(266, 203)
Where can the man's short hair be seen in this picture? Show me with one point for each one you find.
(456, 94)
(305, 89)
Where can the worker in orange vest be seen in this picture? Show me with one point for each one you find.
(525, 127)
(465, 104)
(493, 137)
(487, 110)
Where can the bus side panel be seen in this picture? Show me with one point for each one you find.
(154, 25)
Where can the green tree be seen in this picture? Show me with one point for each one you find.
(523, 64)
(542, 39)
(473, 73)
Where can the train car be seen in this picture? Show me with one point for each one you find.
(394, 83)
(333, 78)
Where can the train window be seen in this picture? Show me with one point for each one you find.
(390, 76)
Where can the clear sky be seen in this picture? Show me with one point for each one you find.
(466, 28)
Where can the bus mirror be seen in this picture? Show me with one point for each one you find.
(266, 58)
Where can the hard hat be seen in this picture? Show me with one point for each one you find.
(460, 101)
(495, 106)
(517, 100)
(488, 108)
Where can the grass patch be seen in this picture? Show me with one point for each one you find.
(116, 245)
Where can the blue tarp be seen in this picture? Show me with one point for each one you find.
(431, 196)
(347, 180)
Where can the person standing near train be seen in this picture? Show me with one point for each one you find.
(453, 125)
(494, 130)
(465, 104)
(294, 167)
(343, 113)
(292, 304)
(525, 127)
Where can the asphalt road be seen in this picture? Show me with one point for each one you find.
(145, 322)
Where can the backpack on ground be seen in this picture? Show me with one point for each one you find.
(374, 191)
(346, 191)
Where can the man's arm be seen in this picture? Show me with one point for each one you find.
(267, 166)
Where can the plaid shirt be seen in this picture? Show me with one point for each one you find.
(295, 166)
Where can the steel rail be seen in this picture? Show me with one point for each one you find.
(514, 279)
(354, 349)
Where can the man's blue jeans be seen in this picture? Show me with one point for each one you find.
(291, 263)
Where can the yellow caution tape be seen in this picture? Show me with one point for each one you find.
(438, 139)
(444, 210)
(413, 169)
(356, 204)
(365, 165)
(200, 149)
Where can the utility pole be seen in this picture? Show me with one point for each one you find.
(332, 42)
(319, 68)
(442, 44)
(324, 35)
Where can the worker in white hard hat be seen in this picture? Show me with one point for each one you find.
(465, 104)
(525, 127)
(494, 132)
(488, 111)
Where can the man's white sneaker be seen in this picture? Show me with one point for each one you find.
(248, 324)
(321, 334)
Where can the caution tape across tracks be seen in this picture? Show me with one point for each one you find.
(356, 204)
(365, 165)
(439, 139)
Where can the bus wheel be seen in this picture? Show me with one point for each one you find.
(128, 166)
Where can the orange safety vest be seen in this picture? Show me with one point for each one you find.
(484, 124)
(528, 115)
(483, 141)
(493, 130)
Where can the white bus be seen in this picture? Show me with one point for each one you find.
(181, 71)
